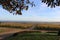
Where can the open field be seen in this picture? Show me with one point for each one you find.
(6, 32)
(35, 31)
(12, 33)
(14, 24)
(33, 36)
(31, 24)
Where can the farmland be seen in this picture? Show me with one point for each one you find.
(30, 24)
(31, 30)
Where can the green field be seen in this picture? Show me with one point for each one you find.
(33, 36)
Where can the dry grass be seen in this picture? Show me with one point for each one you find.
(16, 24)
(27, 25)
(49, 25)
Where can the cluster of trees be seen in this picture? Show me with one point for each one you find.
(18, 5)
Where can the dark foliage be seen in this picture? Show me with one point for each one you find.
(18, 5)
(52, 3)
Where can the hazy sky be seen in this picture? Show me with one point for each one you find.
(39, 13)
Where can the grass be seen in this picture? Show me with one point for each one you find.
(33, 36)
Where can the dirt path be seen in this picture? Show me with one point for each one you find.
(10, 31)
(7, 32)
(14, 30)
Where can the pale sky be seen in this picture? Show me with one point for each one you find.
(40, 13)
